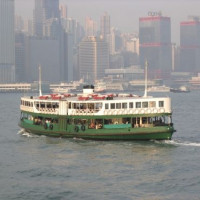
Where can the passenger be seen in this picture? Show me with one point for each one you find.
(92, 125)
(100, 126)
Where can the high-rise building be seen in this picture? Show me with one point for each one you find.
(7, 41)
(105, 25)
(93, 58)
(90, 27)
(190, 45)
(44, 10)
(20, 57)
(63, 11)
(155, 45)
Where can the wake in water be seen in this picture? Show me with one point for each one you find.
(179, 143)
(26, 134)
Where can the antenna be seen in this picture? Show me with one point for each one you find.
(145, 90)
(40, 82)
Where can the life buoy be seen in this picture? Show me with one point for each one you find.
(51, 126)
(83, 128)
(76, 128)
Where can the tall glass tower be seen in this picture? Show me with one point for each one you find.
(190, 45)
(155, 45)
(7, 42)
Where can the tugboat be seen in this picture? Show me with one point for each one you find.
(98, 116)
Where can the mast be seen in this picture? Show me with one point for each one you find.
(40, 82)
(145, 90)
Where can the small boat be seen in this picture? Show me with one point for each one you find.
(182, 89)
(162, 88)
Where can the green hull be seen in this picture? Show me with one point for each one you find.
(141, 133)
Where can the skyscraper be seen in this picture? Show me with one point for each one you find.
(90, 27)
(93, 58)
(155, 44)
(105, 25)
(7, 41)
(63, 11)
(44, 10)
(190, 45)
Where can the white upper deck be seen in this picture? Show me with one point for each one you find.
(90, 103)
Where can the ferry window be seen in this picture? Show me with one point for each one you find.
(77, 105)
(144, 120)
(98, 106)
(138, 104)
(152, 104)
(54, 105)
(126, 120)
(82, 105)
(42, 105)
(73, 105)
(25, 115)
(118, 105)
(124, 105)
(161, 103)
(131, 105)
(55, 121)
(30, 117)
(49, 105)
(108, 121)
(37, 105)
(145, 104)
(91, 106)
(106, 106)
(112, 106)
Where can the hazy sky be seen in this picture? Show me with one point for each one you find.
(124, 13)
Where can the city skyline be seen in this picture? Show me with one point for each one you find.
(124, 15)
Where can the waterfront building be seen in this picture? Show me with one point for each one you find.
(7, 41)
(93, 58)
(155, 44)
(190, 45)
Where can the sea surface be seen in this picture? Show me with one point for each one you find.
(42, 168)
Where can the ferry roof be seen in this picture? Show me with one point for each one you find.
(48, 98)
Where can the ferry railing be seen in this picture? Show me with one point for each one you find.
(26, 108)
(83, 111)
(134, 111)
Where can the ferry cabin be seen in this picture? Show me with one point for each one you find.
(93, 117)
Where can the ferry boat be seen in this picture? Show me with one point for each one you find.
(99, 117)
(96, 116)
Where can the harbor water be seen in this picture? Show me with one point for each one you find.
(42, 168)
